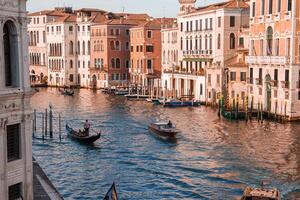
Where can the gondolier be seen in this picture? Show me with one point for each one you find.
(87, 127)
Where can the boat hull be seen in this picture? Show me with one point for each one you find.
(163, 133)
(88, 140)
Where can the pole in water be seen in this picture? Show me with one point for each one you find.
(59, 127)
(51, 122)
(262, 113)
(258, 109)
(43, 126)
(46, 122)
(35, 120)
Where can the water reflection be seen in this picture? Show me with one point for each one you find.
(211, 159)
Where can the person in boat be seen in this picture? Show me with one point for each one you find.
(87, 127)
(170, 125)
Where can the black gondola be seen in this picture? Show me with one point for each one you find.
(67, 92)
(84, 139)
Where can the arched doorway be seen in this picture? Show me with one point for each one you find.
(268, 92)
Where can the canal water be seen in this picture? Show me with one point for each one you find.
(212, 158)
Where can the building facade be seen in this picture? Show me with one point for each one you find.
(208, 38)
(15, 113)
(145, 53)
(111, 53)
(274, 74)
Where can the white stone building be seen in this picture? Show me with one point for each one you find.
(38, 57)
(208, 37)
(15, 113)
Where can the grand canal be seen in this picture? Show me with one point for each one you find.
(211, 159)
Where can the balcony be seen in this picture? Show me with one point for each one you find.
(200, 72)
(287, 15)
(149, 71)
(279, 60)
(285, 84)
(250, 80)
(274, 83)
(197, 53)
(258, 81)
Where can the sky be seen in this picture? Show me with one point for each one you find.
(156, 8)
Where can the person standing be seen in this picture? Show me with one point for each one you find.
(87, 127)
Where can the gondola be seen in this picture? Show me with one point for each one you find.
(67, 92)
(163, 129)
(261, 194)
(84, 139)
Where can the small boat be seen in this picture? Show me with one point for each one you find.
(67, 92)
(176, 103)
(164, 129)
(260, 194)
(137, 96)
(121, 92)
(79, 137)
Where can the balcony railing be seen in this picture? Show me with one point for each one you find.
(274, 83)
(281, 60)
(149, 71)
(250, 80)
(285, 84)
(197, 52)
(200, 72)
(258, 81)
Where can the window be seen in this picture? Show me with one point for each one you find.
(118, 47)
(181, 27)
(278, 5)
(251, 75)
(127, 46)
(232, 21)
(289, 5)
(269, 41)
(13, 142)
(127, 32)
(241, 42)
(270, 6)
(127, 63)
(149, 64)
(253, 9)
(219, 22)
(149, 48)
(260, 74)
(277, 47)
(70, 28)
(243, 76)
(71, 78)
(232, 76)
(262, 8)
(118, 63)
(288, 46)
(113, 64)
(10, 47)
(210, 23)
(287, 75)
(15, 191)
(232, 41)
(275, 74)
(149, 34)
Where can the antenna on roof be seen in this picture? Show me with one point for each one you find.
(164, 11)
(123, 9)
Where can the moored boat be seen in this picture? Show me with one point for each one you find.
(137, 96)
(163, 129)
(260, 194)
(177, 103)
(82, 136)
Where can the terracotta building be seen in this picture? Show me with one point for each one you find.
(274, 72)
(110, 56)
(146, 53)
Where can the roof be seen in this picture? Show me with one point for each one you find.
(47, 12)
(231, 4)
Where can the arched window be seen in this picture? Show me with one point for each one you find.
(164, 56)
(89, 47)
(11, 54)
(71, 48)
(196, 43)
(118, 63)
(102, 63)
(83, 48)
(219, 41)
(232, 41)
(269, 41)
(71, 64)
(112, 45)
(113, 63)
(117, 45)
(78, 47)
(101, 45)
(210, 42)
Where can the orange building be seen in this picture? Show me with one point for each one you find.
(146, 52)
(110, 55)
(274, 72)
